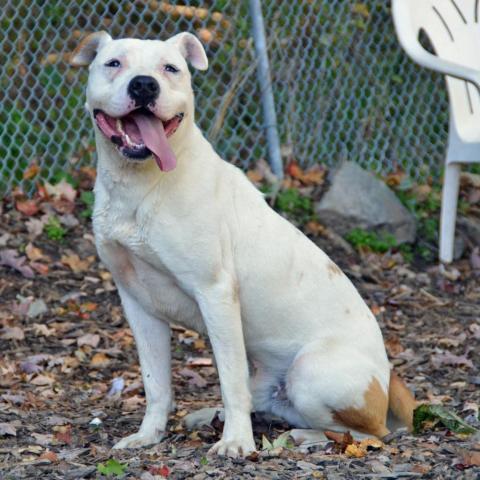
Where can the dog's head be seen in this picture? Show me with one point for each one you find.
(139, 91)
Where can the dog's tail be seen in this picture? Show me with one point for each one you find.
(401, 401)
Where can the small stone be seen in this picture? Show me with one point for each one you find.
(96, 422)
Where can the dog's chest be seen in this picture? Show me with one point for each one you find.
(136, 269)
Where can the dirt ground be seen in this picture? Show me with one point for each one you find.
(68, 358)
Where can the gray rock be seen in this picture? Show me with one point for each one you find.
(357, 199)
(458, 247)
(471, 227)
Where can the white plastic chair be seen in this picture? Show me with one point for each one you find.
(453, 28)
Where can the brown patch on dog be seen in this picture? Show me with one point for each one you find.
(371, 418)
(333, 269)
(123, 267)
(401, 400)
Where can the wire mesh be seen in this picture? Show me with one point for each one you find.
(343, 88)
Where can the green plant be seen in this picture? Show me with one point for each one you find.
(427, 416)
(88, 199)
(407, 252)
(111, 467)
(360, 238)
(283, 441)
(426, 209)
(292, 202)
(54, 229)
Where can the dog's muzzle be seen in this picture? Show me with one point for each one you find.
(143, 89)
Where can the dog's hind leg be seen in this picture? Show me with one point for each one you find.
(335, 388)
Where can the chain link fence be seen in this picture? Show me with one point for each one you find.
(343, 89)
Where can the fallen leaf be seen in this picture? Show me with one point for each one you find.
(63, 206)
(195, 378)
(314, 228)
(57, 420)
(118, 384)
(7, 429)
(255, 176)
(199, 362)
(31, 171)
(313, 176)
(162, 470)
(133, 403)
(42, 380)
(475, 329)
(470, 458)
(293, 169)
(4, 239)
(69, 220)
(15, 399)
(35, 225)
(36, 308)
(11, 259)
(342, 440)
(423, 469)
(41, 330)
(50, 456)
(12, 333)
(43, 439)
(371, 444)
(393, 346)
(40, 268)
(355, 451)
(31, 364)
(447, 358)
(64, 434)
(61, 189)
(99, 360)
(75, 263)
(33, 253)
(90, 339)
(27, 207)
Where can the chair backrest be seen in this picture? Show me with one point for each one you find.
(453, 28)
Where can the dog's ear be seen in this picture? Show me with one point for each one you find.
(84, 54)
(191, 48)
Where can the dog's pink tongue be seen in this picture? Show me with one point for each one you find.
(154, 137)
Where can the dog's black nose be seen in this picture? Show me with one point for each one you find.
(143, 89)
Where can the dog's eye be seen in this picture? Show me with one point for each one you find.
(171, 68)
(113, 63)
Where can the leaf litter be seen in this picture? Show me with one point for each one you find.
(73, 361)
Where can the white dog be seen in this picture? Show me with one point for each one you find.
(189, 240)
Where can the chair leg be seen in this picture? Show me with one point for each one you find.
(449, 211)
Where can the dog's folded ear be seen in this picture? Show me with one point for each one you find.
(191, 48)
(85, 52)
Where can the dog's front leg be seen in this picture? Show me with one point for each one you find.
(220, 307)
(152, 337)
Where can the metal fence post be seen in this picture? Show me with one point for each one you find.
(264, 79)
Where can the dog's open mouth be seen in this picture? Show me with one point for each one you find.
(140, 134)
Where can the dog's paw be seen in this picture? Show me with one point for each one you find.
(139, 439)
(233, 448)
